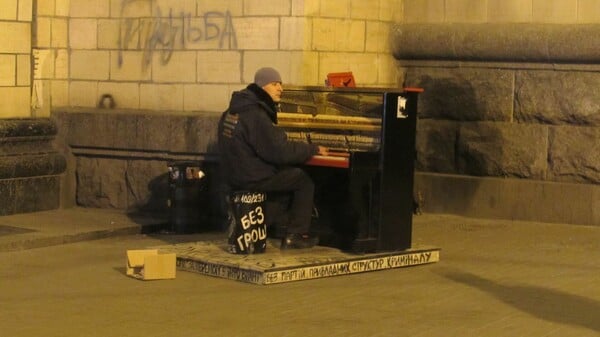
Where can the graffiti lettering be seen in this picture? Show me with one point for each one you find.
(165, 34)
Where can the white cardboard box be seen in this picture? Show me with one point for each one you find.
(148, 264)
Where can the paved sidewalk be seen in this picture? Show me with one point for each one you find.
(49, 228)
(495, 278)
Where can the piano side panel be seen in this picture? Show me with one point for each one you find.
(397, 171)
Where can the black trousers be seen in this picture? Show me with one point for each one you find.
(296, 185)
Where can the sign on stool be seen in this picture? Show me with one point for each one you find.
(247, 224)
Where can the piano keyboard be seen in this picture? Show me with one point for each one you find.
(334, 159)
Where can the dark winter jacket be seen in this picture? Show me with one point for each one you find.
(251, 146)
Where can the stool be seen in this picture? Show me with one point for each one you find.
(247, 232)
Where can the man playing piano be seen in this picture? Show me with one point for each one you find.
(257, 155)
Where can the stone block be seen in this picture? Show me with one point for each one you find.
(150, 132)
(131, 9)
(391, 10)
(25, 146)
(84, 130)
(466, 11)
(362, 66)
(557, 97)
(90, 64)
(60, 93)
(130, 65)
(435, 145)
(304, 69)
(164, 8)
(25, 10)
(15, 102)
(463, 94)
(497, 42)
(335, 8)
(191, 134)
(177, 68)
(37, 194)
(7, 167)
(9, 10)
(62, 7)
(388, 71)
(101, 182)
(509, 198)
(145, 132)
(83, 94)
(305, 8)
(211, 66)
(574, 154)
(266, 7)
(588, 11)
(574, 42)
(30, 168)
(60, 33)
(367, 10)
(45, 8)
(83, 33)
(323, 34)
(123, 135)
(147, 185)
(23, 70)
(48, 164)
(206, 97)
(234, 7)
(161, 97)
(338, 35)
(503, 150)
(7, 195)
(61, 65)
(15, 37)
(418, 41)
(109, 31)
(8, 67)
(378, 37)
(43, 32)
(295, 33)
(509, 11)
(89, 8)
(257, 33)
(554, 11)
(424, 11)
(125, 95)
(27, 127)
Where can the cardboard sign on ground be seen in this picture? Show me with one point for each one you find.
(148, 264)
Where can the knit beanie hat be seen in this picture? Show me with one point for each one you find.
(265, 76)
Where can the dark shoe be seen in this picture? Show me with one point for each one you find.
(298, 241)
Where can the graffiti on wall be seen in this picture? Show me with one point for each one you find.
(164, 34)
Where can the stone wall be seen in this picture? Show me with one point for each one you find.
(30, 167)
(120, 158)
(15, 58)
(509, 101)
(188, 56)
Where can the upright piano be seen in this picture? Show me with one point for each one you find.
(364, 188)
